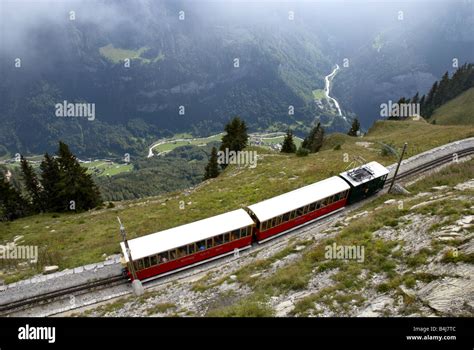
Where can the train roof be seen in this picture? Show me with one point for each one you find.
(193, 232)
(295, 199)
(364, 173)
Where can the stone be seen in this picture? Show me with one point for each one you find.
(233, 277)
(299, 248)
(465, 185)
(377, 305)
(439, 188)
(137, 288)
(447, 295)
(50, 269)
(284, 308)
(398, 189)
(17, 239)
(390, 201)
(407, 291)
(79, 269)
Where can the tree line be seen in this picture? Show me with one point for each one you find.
(62, 185)
(236, 139)
(444, 90)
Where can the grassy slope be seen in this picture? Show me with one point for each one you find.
(459, 110)
(117, 55)
(70, 240)
(348, 287)
(107, 168)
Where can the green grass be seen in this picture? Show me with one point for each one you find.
(174, 143)
(379, 259)
(160, 308)
(243, 308)
(460, 110)
(103, 168)
(78, 239)
(171, 145)
(117, 55)
(319, 94)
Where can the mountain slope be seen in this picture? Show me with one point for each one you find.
(183, 76)
(458, 111)
(69, 240)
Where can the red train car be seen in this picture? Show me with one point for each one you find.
(185, 246)
(278, 215)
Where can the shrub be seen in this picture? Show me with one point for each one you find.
(302, 152)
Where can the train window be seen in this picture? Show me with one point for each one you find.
(293, 214)
(299, 211)
(163, 257)
(218, 240)
(324, 202)
(226, 237)
(312, 206)
(286, 217)
(244, 232)
(278, 220)
(191, 248)
(209, 243)
(173, 254)
(274, 222)
(201, 245)
(263, 226)
(182, 251)
(235, 235)
(135, 263)
(153, 260)
(140, 264)
(305, 209)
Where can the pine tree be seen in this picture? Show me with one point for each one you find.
(236, 136)
(32, 185)
(50, 181)
(314, 141)
(288, 143)
(75, 184)
(12, 204)
(430, 98)
(443, 90)
(416, 98)
(212, 168)
(354, 128)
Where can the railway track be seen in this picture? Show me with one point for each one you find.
(430, 165)
(47, 298)
(43, 299)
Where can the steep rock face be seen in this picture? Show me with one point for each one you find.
(449, 295)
